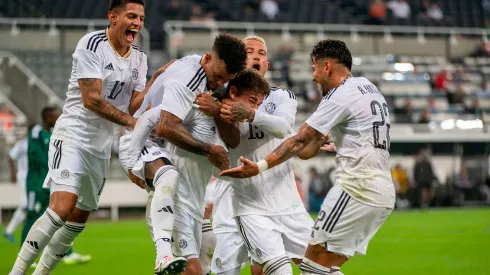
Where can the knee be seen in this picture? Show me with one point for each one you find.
(78, 216)
(63, 203)
(165, 178)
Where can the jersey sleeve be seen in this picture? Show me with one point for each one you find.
(177, 99)
(15, 151)
(89, 63)
(280, 122)
(143, 70)
(145, 124)
(328, 115)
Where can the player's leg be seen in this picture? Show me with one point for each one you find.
(62, 240)
(18, 217)
(92, 185)
(343, 228)
(66, 168)
(264, 243)
(187, 236)
(208, 243)
(230, 254)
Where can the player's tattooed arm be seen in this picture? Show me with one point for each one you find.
(170, 128)
(95, 102)
(293, 145)
(289, 148)
(237, 111)
(312, 149)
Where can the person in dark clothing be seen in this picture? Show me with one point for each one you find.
(424, 177)
(317, 191)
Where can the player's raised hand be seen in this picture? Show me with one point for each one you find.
(208, 104)
(218, 157)
(141, 183)
(246, 170)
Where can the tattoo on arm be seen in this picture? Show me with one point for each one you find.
(170, 127)
(241, 112)
(93, 100)
(292, 146)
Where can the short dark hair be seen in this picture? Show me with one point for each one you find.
(115, 4)
(335, 49)
(232, 51)
(46, 110)
(249, 79)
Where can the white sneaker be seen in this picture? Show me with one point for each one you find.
(75, 258)
(169, 265)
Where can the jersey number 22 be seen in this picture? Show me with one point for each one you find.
(383, 111)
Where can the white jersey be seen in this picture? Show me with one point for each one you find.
(94, 57)
(195, 170)
(273, 192)
(19, 154)
(356, 116)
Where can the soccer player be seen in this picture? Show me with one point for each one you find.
(248, 88)
(355, 114)
(172, 97)
(38, 145)
(17, 159)
(108, 76)
(270, 215)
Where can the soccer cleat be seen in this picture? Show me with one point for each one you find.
(9, 237)
(171, 266)
(75, 258)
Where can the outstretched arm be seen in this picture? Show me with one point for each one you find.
(289, 148)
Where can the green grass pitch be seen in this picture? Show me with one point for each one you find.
(415, 242)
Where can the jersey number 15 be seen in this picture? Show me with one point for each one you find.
(383, 111)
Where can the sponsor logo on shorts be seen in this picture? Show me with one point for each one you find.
(258, 253)
(65, 174)
(156, 153)
(182, 243)
(270, 107)
(219, 263)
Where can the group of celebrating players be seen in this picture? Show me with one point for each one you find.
(179, 135)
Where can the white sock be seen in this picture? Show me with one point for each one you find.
(17, 219)
(278, 266)
(59, 245)
(38, 237)
(162, 208)
(208, 243)
(309, 267)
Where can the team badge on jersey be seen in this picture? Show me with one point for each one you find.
(270, 107)
(218, 263)
(258, 252)
(135, 74)
(182, 243)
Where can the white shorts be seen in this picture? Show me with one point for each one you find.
(269, 237)
(77, 171)
(187, 235)
(150, 152)
(344, 225)
(230, 252)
